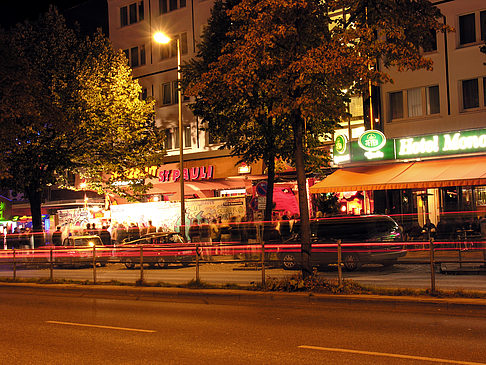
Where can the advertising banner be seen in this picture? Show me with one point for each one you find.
(166, 214)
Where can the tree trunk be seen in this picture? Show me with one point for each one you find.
(35, 200)
(270, 184)
(267, 225)
(303, 203)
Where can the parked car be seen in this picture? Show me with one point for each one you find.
(371, 239)
(159, 250)
(77, 251)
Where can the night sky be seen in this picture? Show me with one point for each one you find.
(90, 14)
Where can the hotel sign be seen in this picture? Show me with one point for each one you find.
(373, 146)
(442, 144)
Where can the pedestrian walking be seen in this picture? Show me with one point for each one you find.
(105, 235)
(56, 239)
(205, 231)
(194, 231)
(215, 233)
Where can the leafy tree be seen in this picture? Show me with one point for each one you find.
(68, 104)
(288, 62)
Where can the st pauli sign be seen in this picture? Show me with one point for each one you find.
(192, 173)
(373, 146)
(166, 175)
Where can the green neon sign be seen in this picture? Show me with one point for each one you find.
(373, 146)
(341, 144)
(442, 144)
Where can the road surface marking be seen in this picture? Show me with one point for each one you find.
(410, 357)
(99, 326)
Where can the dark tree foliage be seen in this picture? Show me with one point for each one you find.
(278, 85)
(68, 104)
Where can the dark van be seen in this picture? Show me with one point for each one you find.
(369, 239)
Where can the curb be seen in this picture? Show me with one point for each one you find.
(456, 306)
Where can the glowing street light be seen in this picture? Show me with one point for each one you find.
(162, 38)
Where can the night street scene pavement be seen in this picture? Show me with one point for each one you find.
(64, 326)
(245, 182)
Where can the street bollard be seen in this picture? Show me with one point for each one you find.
(141, 266)
(51, 266)
(14, 266)
(459, 252)
(94, 264)
(263, 266)
(197, 262)
(340, 271)
(432, 266)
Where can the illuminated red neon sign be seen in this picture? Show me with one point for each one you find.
(192, 173)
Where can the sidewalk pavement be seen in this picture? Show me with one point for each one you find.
(449, 306)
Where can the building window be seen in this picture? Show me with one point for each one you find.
(170, 94)
(414, 101)
(142, 55)
(123, 16)
(176, 137)
(170, 5)
(484, 90)
(144, 94)
(170, 50)
(482, 21)
(166, 94)
(136, 55)
(175, 92)
(172, 137)
(168, 139)
(131, 14)
(140, 11)
(396, 105)
(432, 100)
(187, 136)
(419, 101)
(467, 29)
(470, 94)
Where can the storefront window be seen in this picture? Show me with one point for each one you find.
(480, 197)
(467, 199)
(449, 199)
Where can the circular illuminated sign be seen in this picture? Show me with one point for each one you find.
(372, 140)
(341, 144)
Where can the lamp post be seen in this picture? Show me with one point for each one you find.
(164, 39)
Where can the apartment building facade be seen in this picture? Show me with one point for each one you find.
(430, 156)
(132, 25)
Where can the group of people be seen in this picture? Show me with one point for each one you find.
(241, 231)
(19, 238)
(217, 231)
(446, 229)
(117, 233)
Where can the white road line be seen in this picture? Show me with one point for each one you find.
(99, 326)
(410, 357)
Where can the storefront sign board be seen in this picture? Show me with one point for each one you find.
(430, 145)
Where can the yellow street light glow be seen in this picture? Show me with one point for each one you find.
(160, 37)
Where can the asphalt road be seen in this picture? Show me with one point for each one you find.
(40, 327)
(403, 276)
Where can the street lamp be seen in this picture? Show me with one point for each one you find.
(164, 39)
